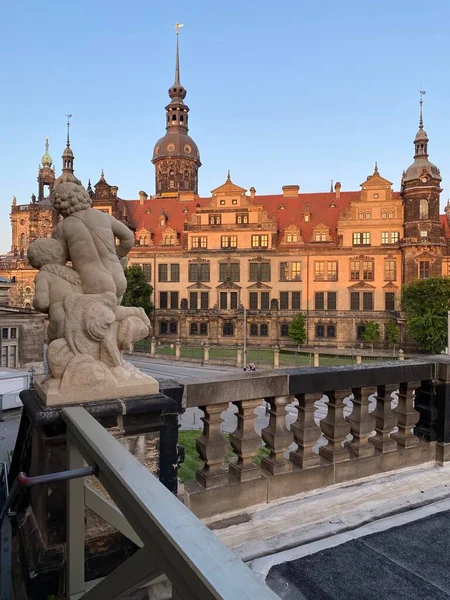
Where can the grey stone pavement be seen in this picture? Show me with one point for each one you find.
(405, 562)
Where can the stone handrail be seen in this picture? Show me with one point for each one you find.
(383, 440)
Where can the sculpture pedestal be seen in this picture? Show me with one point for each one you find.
(146, 425)
(122, 382)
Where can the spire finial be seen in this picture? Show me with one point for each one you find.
(69, 116)
(228, 175)
(177, 60)
(422, 94)
(46, 143)
(102, 175)
(375, 171)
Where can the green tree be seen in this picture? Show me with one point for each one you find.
(138, 291)
(371, 332)
(426, 303)
(297, 329)
(392, 333)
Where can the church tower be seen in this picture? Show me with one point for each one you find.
(46, 176)
(423, 240)
(176, 156)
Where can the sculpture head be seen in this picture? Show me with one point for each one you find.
(46, 251)
(69, 197)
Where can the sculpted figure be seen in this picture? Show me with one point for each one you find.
(88, 328)
(89, 238)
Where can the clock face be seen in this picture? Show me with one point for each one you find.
(423, 179)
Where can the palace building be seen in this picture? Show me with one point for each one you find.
(339, 257)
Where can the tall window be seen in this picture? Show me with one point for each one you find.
(424, 269)
(284, 300)
(284, 330)
(394, 237)
(367, 300)
(319, 300)
(368, 270)
(361, 300)
(199, 271)
(390, 273)
(323, 331)
(228, 241)
(325, 300)
(361, 239)
(295, 300)
(259, 271)
(199, 242)
(260, 241)
(166, 298)
(199, 300)
(385, 237)
(229, 271)
(354, 270)
(290, 271)
(147, 268)
(319, 270)
(389, 301)
(332, 270)
(424, 209)
(259, 300)
(228, 328)
(163, 273)
(223, 297)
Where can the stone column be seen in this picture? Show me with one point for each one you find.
(385, 419)
(206, 354)
(177, 349)
(361, 423)
(316, 359)
(407, 415)
(335, 428)
(358, 359)
(306, 432)
(245, 442)
(153, 347)
(239, 358)
(276, 357)
(212, 447)
(277, 436)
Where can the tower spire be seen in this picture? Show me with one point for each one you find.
(69, 116)
(177, 59)
(422, 94)
(68, 154)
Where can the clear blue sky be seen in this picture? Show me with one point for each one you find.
(280, 92)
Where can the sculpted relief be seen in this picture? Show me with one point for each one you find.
(80, 286)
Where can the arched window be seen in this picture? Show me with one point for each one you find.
(331, 331)
(391, 214)
(181, 118)
(228, 329)
(424, 209)
(174, 117)
(383, 214)
(368, 215)
(361, 214)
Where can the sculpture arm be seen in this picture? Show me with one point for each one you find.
(41, 300)
(62, 239)
(124, 234)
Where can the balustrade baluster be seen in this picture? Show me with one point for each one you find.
(245, 441)
(335, 428)
(362, 423)
(306, 432)
(277, 436)
(407, 415)
(385, 419)
(212, 447)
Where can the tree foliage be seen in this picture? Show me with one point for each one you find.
(426, 303)
(371, 332)
(138, 291)
(392, 333)
(297, 329)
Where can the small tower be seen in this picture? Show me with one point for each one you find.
(46, 176)
(423, 239)
(176, 156)
(67, 155)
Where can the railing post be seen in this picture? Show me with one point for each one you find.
(178, 349)
(316, 359)
(361, 423)
(245, 441)
(212, 447)
(75, 523)
(407, 415)
(385, 419)
(276, 357)
(239, 358)
(335, 428)
(153, 347)
(206, 354)
(277, 436)
(306, 432)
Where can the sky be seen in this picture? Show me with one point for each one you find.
(287, 92)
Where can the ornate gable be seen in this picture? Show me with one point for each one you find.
(321, 233)
(291, 235)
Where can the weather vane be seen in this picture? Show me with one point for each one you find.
(178, 27)
(422, 94)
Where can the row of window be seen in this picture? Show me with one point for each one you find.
(229, 241)
(288, 300)
(261, 271)
(321, 330)
(363, 238)
(367, 214)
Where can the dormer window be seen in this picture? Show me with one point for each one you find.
(320, 236)
(292, 238)
(222, 203)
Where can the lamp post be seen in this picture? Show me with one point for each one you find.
(245, 338)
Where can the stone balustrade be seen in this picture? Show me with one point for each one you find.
(312, 453)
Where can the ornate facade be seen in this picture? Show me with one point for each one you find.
(339, 257)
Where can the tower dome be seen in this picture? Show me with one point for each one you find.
(46, 160)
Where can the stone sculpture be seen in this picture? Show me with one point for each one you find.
(88, 329)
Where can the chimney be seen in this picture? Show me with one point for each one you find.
(337, 189)
(252, 192)
(142, 197)
(290, 191)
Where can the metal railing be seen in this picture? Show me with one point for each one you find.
(171, 540)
